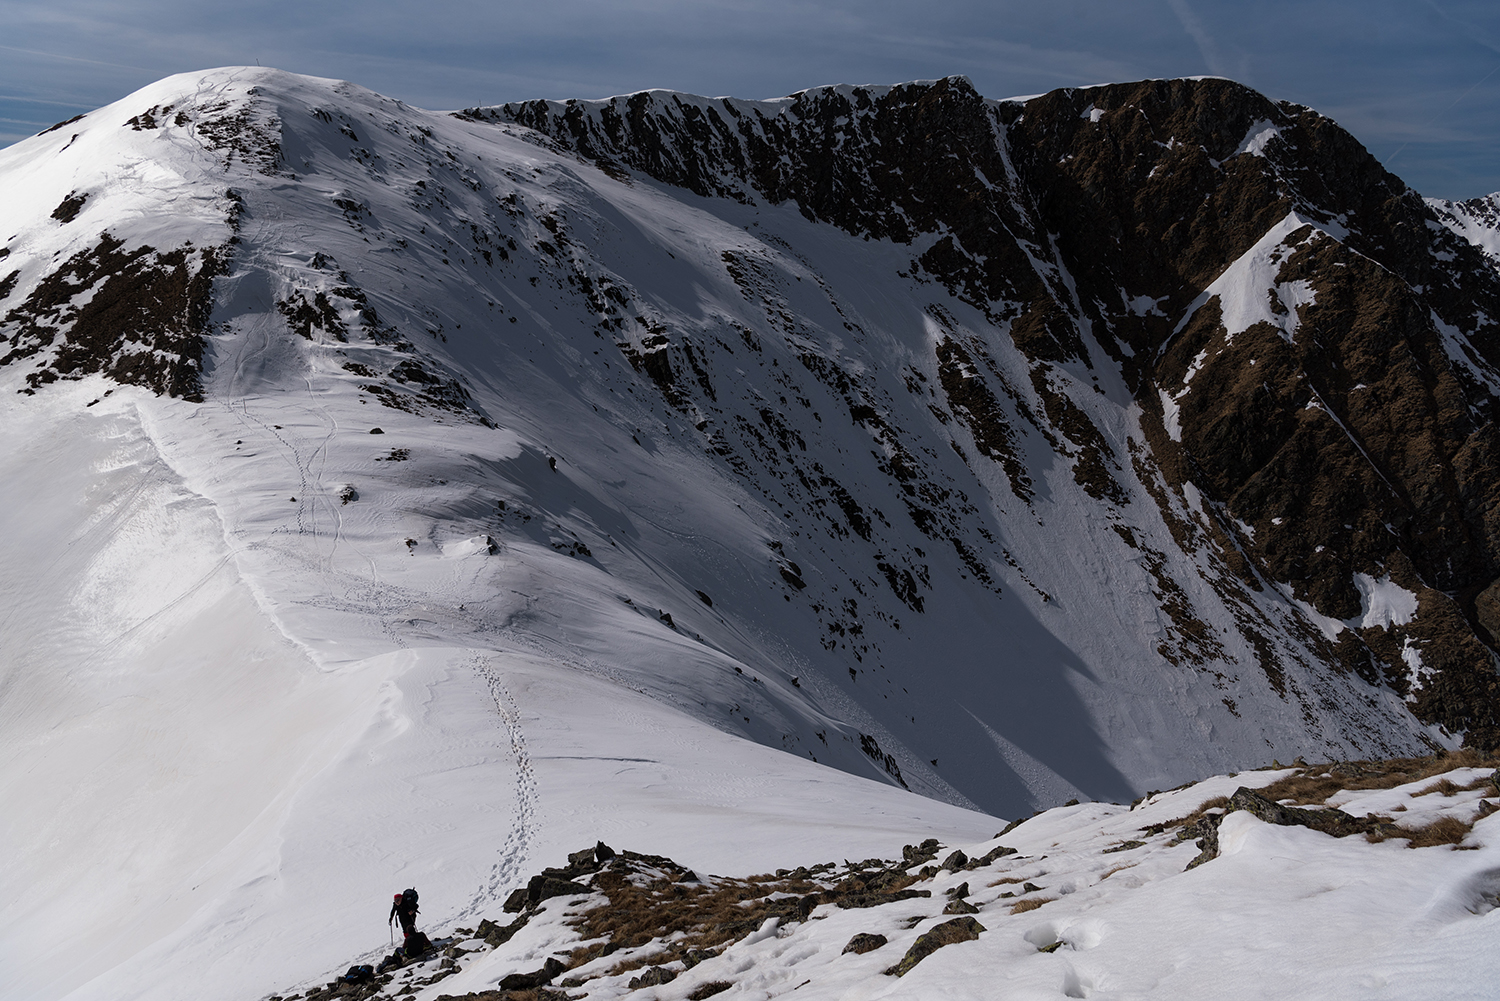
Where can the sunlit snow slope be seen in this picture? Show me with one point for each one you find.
(396, 497)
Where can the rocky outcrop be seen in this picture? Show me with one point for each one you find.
(1328, 820)
(1332, 406)
(964, 929)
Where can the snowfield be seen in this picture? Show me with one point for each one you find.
(434, 583)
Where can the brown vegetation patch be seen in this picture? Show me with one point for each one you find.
(1029, 904)
(1004, 880)
(1443, 831)
(1315, 783)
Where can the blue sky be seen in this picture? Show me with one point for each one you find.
(1417, 82)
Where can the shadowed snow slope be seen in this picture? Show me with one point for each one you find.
(395, 497)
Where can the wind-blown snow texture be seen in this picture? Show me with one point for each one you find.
(906, 432)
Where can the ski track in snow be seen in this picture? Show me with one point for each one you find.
(507, 873)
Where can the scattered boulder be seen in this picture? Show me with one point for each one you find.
(865, 942)
(918, 854)
(997, 852)
(964, 929)
(709, 989)
(1207, 832)
(497, 935)
(538, 978)
(960, 906)
(540, 888)
(956, 861)
(545, 887)
(958, 892)
(654, 977)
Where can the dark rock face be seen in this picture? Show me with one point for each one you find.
(1346, 431)
(137, 316)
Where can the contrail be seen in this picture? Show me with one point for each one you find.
(1194, 27)
(1449, 108)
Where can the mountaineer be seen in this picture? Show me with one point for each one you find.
(404, 907)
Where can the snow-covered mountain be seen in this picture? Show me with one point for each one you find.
(425, 493)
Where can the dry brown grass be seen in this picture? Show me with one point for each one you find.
(584, 953)
(1119, 868)
(1007, 880)
(1444, 786)
(631, 965)
(1316, 783)
(1443, 831)
(1029, 904)
(699, 918)
(708, 916)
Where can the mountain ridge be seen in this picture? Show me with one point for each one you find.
(983, 228)
(369, 461)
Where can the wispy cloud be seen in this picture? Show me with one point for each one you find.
(1200, 36)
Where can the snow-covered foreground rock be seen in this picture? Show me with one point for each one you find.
(1091, 900)
(399, 498)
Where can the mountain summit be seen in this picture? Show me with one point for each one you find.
(1004, 452)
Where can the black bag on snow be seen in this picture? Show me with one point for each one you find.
(361, 974)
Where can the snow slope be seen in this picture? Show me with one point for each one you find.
(644, 542)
